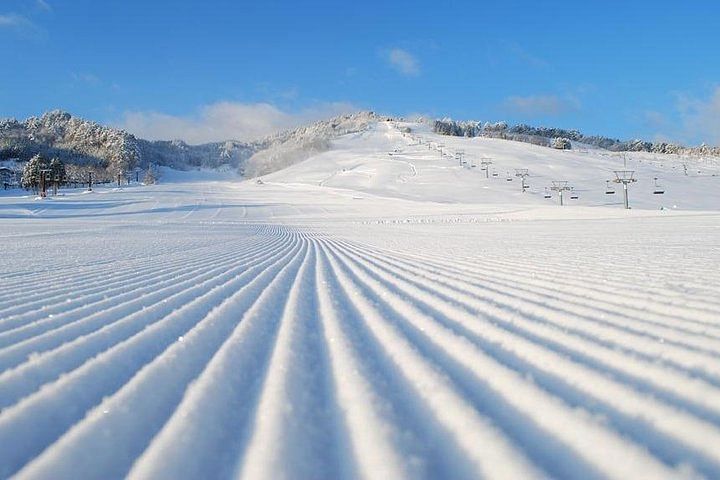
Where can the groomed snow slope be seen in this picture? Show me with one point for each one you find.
(361, 315)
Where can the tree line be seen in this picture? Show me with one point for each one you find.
(61, 174)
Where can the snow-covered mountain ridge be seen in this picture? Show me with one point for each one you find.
(544, 136)
(81, 142)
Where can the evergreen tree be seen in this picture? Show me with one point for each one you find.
(562, 143)
(31, 172)
(57, 171)
(150, 176)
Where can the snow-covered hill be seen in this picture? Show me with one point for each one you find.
(385, 161)
(293, 146)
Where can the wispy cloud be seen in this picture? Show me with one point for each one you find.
(225, 121)
(691, 120)
(701, 117)
(87, 79)
(541, 105)
(15, 21)
(403, 62)
(21, 25)
(43, 5)
(274, 94)
(525, 56)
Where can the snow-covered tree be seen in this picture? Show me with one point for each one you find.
(57, 171)
(561, 143)
(31, 172)
(151, 176)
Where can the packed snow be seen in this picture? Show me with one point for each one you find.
(376, 311)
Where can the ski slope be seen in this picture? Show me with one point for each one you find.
(366, 315)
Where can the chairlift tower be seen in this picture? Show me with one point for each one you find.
(43, 181)
(460, 157)
(485, 165)
(625, 177)
(522, 173)
(560, 186)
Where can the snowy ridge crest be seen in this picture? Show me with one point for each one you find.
(58, 134)
(293, 146)
(545, 135)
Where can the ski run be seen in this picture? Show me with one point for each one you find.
(375, 311)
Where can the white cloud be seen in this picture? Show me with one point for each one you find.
(525, 56)
(87, 78)
(13, 20)
(43, 5)
(541, 105)
(20, 24)
(225, 121)
(701, 117)
(403, 61)
(692, 121)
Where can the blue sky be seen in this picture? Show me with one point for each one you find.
(220, 69)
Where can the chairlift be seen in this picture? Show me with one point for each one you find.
(659, 190)
(573, 194)
(547, 193)
(509, 178)
(609, 189)
(495, 174)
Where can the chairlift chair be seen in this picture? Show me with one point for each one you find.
(547, 193)
(509, 178)
(573, 194)
(609, 189)
(659, 190)
(495, 174)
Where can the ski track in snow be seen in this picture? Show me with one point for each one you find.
(294, 353)
(260, 342)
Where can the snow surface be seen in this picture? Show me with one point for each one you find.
(367, 315)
